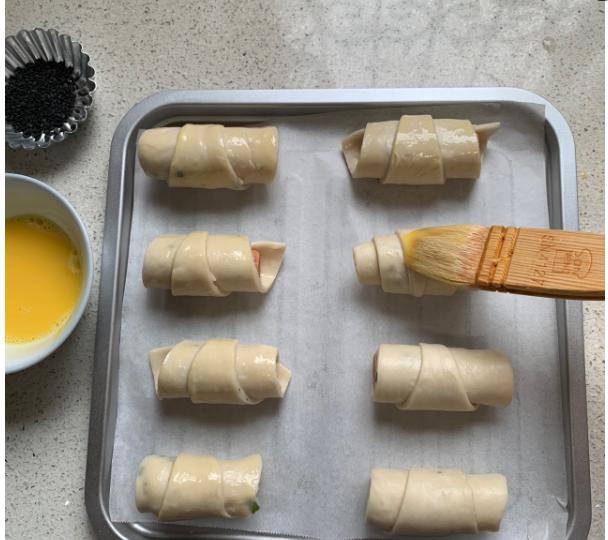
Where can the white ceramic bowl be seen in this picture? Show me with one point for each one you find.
(24, 195)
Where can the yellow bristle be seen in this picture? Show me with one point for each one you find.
(450, 253)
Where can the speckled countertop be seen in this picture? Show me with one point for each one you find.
(555, 49)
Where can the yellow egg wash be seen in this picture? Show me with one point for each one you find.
(43, 278)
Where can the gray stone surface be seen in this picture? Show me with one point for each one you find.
(138, 47)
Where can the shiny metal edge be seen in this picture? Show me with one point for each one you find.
(29, 45)
(563, 210)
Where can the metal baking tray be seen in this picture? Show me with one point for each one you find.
(235, 106)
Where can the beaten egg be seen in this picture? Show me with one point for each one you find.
(43, 278)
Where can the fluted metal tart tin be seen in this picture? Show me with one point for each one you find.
(177, 107)
(39, 44)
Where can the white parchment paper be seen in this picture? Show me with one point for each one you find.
(320, 442)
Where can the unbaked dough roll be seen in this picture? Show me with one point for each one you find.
(219, 371)
(201, 264)
(189, 486)
(437, 378)
(417, 150)
(435, 502)
(381, 262)
(210, 156)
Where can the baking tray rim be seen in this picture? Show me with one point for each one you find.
(563, 206)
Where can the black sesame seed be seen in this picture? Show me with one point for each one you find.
(39, 97)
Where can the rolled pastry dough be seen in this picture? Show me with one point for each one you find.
(189, 487)
(381, 262)
(435, 502)
(417, 150)
(201, 264)
(219, 371)
(437, 378)
(210, 156)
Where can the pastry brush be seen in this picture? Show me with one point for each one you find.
(538, 262)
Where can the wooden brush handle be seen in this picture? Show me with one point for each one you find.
(543, 262)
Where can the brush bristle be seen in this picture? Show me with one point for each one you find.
(450, 254)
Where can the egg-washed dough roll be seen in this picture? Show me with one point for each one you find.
(435, 502)
(381, 262)
(190, 487)
(438, 378)
(210, 156)
(417, 150)
(219, 371)
(202, 264)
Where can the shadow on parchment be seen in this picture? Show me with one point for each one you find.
(372, 193)
(434, 319)
(432, 421)
(203, 308)
(218, 415)
(196, 201)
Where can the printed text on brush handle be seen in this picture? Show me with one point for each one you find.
(553, 260)
(543, 262)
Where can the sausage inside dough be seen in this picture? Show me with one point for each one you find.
(435, 502)
(437, 378)
(210, 156)
(190, 487)
(417, 150)
(219, 371)
(381, 262)
(201, 264)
